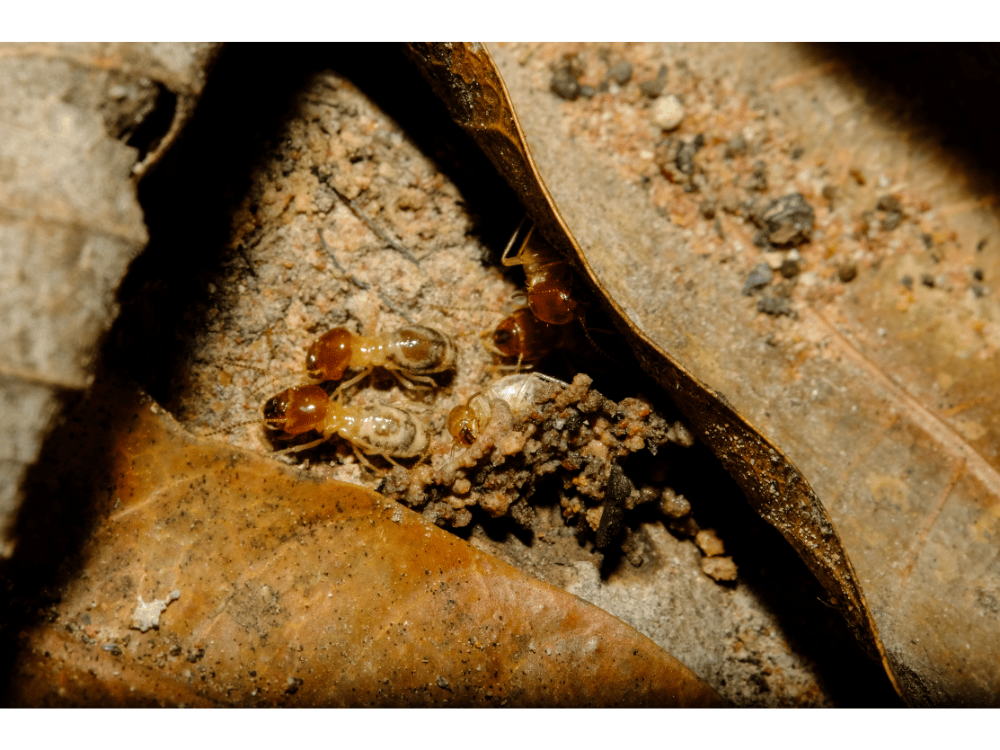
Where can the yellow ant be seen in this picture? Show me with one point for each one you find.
(519, 393)
(548, 277)
(376, 429)
(409, 353)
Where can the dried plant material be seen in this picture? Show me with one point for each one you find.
(302, 593)
(77, 121)
(896, 439)
(612, 240)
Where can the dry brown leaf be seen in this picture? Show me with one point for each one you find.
(77, 123)
(909, 477)
(775, 487)
(218, 577)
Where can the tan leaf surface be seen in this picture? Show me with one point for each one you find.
(846, 388)
(270, 588)
(776, 488)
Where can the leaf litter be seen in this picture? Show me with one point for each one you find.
(896, 255)
(301, 282)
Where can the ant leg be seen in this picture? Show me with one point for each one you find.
(361, 458)
(516, 260)
(355, 379)
(407, 381)
(297, 448)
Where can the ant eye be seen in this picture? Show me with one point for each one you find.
(505, 340)
(274, 411)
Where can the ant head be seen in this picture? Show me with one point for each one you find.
(521, 334)
(508, 337)
(463, 425)
(297, 410)
(330, 355)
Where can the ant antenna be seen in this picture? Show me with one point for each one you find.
(248, 366)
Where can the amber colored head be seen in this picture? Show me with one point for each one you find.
(297, 410)
(523, 335)
(462, 425)
(330, 355)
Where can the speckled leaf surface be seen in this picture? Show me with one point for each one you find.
(862, 427)
(269, 588)
(78, 124)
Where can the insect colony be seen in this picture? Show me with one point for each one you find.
(425, 386)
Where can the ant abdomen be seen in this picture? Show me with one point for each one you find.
(420, 350)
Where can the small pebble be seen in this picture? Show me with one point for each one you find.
(667, 112)
(564, 84)
(892, 220)
(709, 542)
(654, 88)
(790, 268)
(719, 568)
(774, 306)
(737, 146)
(848, 271)
(620, 73)
(907, 281)
(787, 220)
(759, 277)
(889, 203)
(674, 505)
